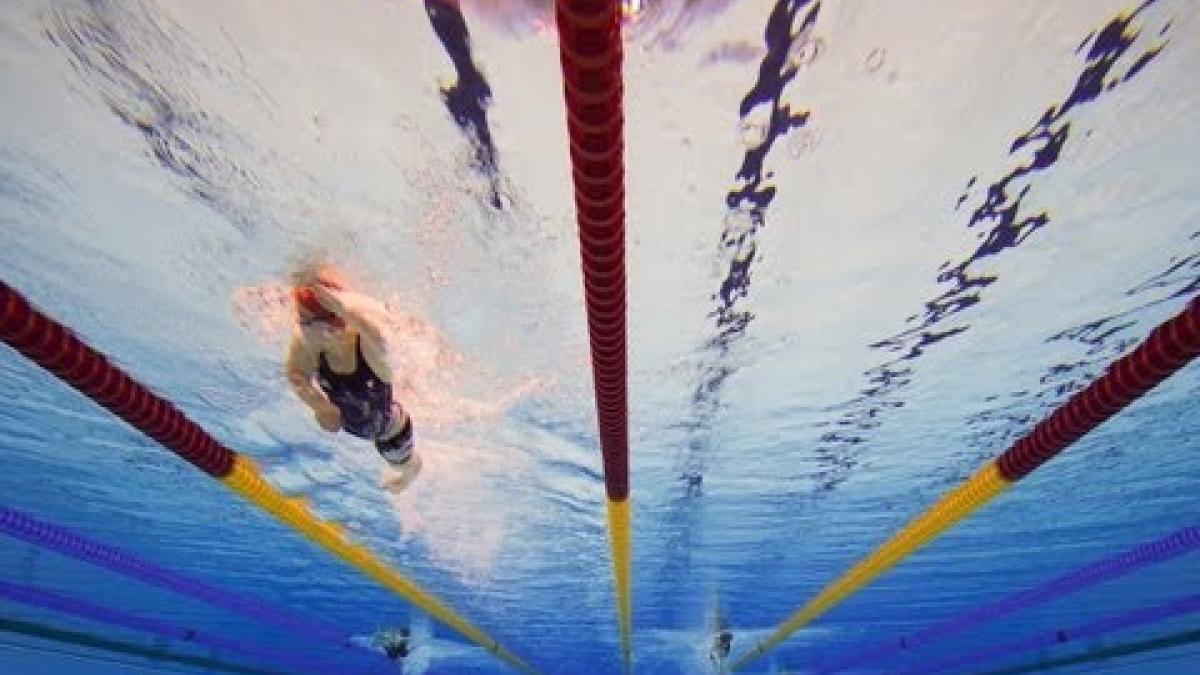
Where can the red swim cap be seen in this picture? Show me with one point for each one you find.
(306, 300)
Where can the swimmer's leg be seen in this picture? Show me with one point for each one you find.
(396, 479)
(396, 446)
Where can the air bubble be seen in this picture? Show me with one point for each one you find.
(752, 132)
(805, 50)
(145, 111)
(739, 221)
(875, 59)
(802, 141)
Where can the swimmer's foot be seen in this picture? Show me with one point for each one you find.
(396, 479)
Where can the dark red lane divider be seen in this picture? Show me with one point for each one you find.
(1167, 349)
(590, 50)
(53, 347)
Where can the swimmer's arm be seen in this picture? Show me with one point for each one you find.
(351, 309)
(299, 368)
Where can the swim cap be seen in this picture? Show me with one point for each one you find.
(307, 302)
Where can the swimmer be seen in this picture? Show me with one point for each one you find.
(336, 342)
(394, 643)
(722, 642)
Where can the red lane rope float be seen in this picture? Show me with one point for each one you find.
(1168, 348)
(591, 54)
(589, 40)
(53, 347)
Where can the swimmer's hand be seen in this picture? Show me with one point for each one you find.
(355, 310)
(328, 417)
(327, 295)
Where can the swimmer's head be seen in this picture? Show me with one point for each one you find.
(314, 318)
(311, 314)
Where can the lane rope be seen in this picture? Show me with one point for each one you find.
(590, 51)
(52, 537)
(1168, 610)
(32, 596)
(1180, 542)
(53, 347)
(1168, 348)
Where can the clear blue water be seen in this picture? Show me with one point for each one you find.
(962, 213)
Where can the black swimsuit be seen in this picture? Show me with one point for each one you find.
(365, 401)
